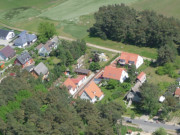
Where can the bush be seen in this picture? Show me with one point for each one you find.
(116, 94)
(94, 66)
(161, 71)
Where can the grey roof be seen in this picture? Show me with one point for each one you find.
(24, 57)
(55, 39)
(3, 33)
(83, 71)
(8, 52)
(178, 79)
(24, 37)
(29, 68)
(41, 69)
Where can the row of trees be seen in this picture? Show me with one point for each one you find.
(145, 28)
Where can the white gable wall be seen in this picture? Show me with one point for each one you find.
(124, 76)
(72, 91)
(10, 35)
(139, 62)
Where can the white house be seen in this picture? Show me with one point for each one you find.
(141, 77)
(92, 93)
(130, 58)
(73, 84)
(111, 72)
(6, 34)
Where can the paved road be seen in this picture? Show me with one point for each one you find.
(148, 126)
(100, 47)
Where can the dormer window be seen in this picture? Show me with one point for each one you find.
(122, 60)
(131, 62)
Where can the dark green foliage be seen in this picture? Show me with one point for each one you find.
(94, 66)
(150, 94)
(144, 28)
(68, 52)
(46, 31)
(112, 84)
(166, 54)
(168, 69)
(95, 57)
(132, 73)
(36, 111)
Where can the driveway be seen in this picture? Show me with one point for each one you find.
(149, 126)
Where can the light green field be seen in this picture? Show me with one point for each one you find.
(73, 9)
(38, 4)
(165, 7)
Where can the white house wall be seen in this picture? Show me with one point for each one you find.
(139, 62)
(72, 92)
(124, 76)
(10, 35)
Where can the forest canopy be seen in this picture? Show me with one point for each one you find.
(142, 28)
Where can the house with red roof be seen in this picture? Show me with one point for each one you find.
(92, 93)
(130, 58)
(141, 77)
(72, 84)
(177, 93)
(115, 73)
(6, 53)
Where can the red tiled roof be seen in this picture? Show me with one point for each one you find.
(141, 76)
(93, 90)
(112, 72)
(77, 79)
(177, 92)
(69, 83)
(129, 57)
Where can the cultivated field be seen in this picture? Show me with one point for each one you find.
(73, 9)
(165, 7)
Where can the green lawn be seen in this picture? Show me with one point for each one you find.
(165, 7)
(143, 51)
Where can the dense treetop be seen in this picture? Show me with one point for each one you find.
(144, 28)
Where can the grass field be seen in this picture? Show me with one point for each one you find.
(144, 51)
(73, 9)
(165, 7)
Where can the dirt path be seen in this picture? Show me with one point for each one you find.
(101, 47)
(71, 39)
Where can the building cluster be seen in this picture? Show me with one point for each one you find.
(85, 84)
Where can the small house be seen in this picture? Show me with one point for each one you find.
(45, 50)
(141, 77)
(24, 60)
(6, 53)
(81, 71)
(130, 59)
(103, 57)
(92, 93)
(161, 99)
(6, 34)
(72, 84)
(40, 69)
(80, 62)
(177, 93)
(133, 96)
(115, 73)
(24, 39)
